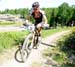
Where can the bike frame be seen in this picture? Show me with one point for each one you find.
(33, 34)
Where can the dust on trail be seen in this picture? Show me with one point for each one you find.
(35, 55)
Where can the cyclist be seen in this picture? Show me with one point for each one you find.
(38, 15)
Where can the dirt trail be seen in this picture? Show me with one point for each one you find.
(35, 55)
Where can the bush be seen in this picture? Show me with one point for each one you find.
(67, 46)
(68, 43)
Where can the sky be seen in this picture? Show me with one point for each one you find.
(15, 4)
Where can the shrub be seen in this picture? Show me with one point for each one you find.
(67, 46)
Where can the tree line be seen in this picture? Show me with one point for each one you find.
(64, 15)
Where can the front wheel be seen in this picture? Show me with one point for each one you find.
(19, 57)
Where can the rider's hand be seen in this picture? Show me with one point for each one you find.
(46, 25)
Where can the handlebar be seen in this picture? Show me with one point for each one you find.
(32, 27)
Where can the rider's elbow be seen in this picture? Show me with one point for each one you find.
(45, 20)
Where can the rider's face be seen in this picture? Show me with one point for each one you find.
(35, 8)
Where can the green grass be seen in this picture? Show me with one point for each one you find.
(9, 39)
(10, 23)
(60, 53)
(52, 31)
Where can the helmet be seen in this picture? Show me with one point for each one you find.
(35, 4)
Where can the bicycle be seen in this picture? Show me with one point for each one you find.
(29, 42)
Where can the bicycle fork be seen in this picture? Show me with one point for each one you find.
(22, 50)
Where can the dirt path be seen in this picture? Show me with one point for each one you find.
(35, 55)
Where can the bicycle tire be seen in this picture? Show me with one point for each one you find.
(18, 56)
(28, 42)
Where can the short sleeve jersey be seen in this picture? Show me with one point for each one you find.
(37, 16)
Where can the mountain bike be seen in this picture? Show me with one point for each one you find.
(32, 40)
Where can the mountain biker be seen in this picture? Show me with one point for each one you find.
(38, 15)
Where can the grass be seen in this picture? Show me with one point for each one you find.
(59, 55)
(10, 39)
(10, 23)
(48, 32)
(53, 52)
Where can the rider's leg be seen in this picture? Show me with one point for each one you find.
(39, 30)
(39, 26)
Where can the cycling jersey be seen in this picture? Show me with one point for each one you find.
(38, 16)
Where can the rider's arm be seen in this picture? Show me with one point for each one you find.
(44, 17)
(29, 18)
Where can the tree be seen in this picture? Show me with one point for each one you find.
(52, 19)
(62, 13)
(73, 14)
